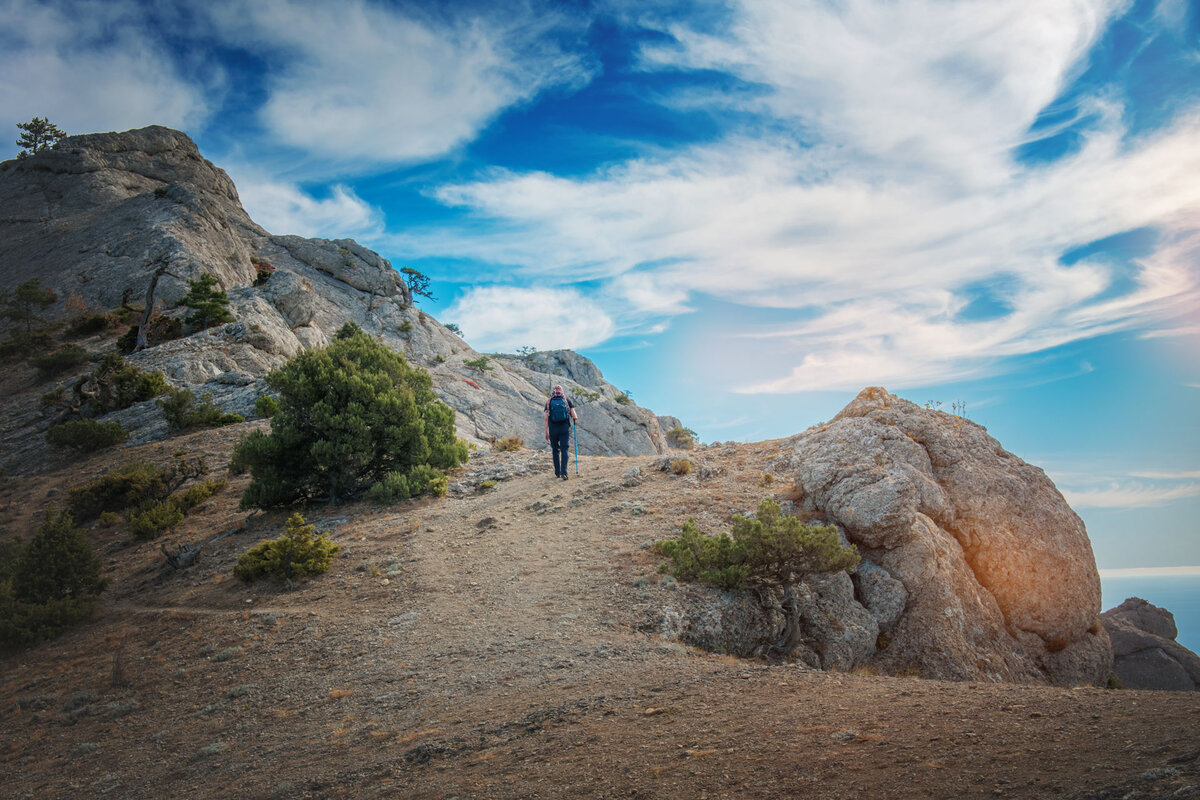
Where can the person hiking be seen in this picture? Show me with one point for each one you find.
(558, 414)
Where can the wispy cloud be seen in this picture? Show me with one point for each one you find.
(1129, 495)
(363, 81)
(92, 67)
(1150, 572)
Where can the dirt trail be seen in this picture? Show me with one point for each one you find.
(501, 643)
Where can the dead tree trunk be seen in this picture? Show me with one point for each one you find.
(148, 309)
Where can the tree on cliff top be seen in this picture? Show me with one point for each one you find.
(351, 416)
(37, 135)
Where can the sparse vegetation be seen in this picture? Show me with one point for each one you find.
(64, 358)
(87, 435)
(119, 384)
(350, 415)
(453, 328)
(480, 364)
(681, 466)
(88, 324)
(161, 328)
(263, 270)
(623, 399)
(183, 412)
(508, 443)
(299, 551)
(147, 494)
(683, 438)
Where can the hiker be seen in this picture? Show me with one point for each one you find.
(558, 415)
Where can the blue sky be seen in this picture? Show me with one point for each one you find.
(743, 212)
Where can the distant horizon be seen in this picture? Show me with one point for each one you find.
(743, 212)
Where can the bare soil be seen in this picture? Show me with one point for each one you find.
(501, 643)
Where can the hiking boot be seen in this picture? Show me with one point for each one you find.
(564, 477)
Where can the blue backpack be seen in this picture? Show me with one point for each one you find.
(559, 411)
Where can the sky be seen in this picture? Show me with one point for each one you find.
(743, 212)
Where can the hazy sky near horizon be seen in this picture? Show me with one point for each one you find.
(744, 212)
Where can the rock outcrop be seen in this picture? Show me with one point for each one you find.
(95, 216)
(1145, 653)
(974, 566)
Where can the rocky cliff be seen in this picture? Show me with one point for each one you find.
(974, 566)
(1145, 653)
(96, 216)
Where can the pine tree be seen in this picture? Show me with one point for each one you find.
(37, 135)
(24, 303)
(417, 282)
(209, 304)
(350, 416)
(58, 563)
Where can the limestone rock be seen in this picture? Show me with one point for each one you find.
(95, 216)
(1145, 653)
(997, 577)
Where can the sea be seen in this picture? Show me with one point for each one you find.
(1177, 593)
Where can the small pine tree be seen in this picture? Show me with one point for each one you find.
(299, 551)
(23, 304)
(58, 563)
(209, 304)
(37, 135)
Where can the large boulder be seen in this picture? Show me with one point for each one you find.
(975, 567)
(1145, 653)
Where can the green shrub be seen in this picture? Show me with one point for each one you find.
(397, 486)
(480, 363)
(299, 551)
(133, 485)
(404, 327)
(266, 405)
(87, 435)
(350, 416)
(183, 413)
(88, 324)
(64, 358)
(767, 548)
(159, 329)
(623, 399)
(50, 582)
(121, 384)
(149, 522)
(263, 270)
(683, 438)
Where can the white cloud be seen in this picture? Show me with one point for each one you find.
(1149, 572)
(90, 66)
(503, 318)
(910, 204)
(358, 80)
(1129, 495)
(1159, 475)
(284, 208)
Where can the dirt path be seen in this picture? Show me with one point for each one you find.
(501, 643)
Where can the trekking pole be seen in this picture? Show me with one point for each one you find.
(575, 428)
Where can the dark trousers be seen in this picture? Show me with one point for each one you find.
(560, 446)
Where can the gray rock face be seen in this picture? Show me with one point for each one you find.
(95, 216)
(1145, 653)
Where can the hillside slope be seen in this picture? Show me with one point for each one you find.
(97, 216)
(505, 642)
